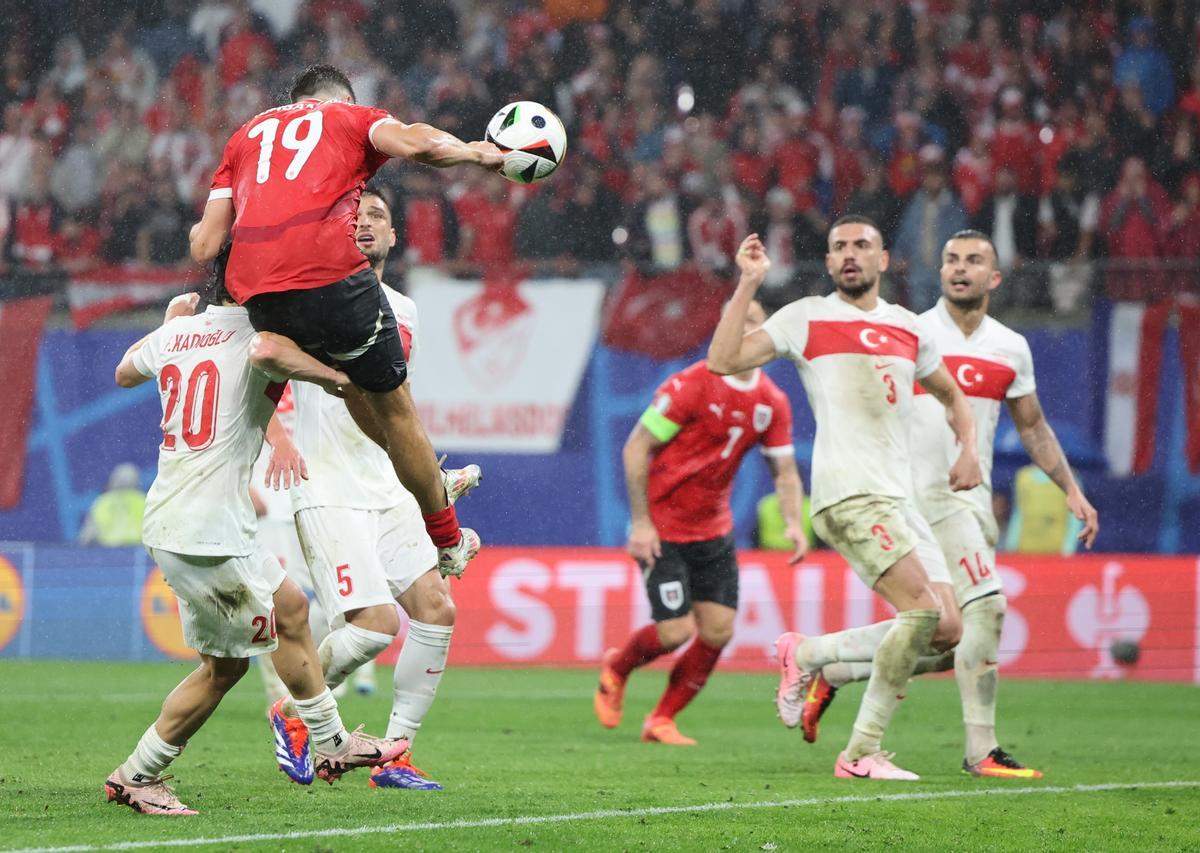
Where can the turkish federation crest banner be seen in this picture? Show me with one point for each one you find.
(500, 360)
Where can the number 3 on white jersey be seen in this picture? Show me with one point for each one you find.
(292, 141)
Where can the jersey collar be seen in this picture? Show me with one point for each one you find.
(943, 314)
(743, 384)
(228, 310)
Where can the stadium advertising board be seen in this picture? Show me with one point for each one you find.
(510, 356)
(566, 606)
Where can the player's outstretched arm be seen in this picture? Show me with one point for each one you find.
(210, 233)
(966, 472)
(790, 489)
(426, 144)
(643, 545)
(1043, 448)
(280, 358)
(731, 351)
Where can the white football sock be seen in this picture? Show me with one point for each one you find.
(415, 679)
(842, 673)
(895, 660)
(149, 758)
(320, 714)
(348, 648)
(855, 644)
(976, 670)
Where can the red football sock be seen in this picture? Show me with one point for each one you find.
(687, 677)
(642, 647)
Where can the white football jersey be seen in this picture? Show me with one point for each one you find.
(858, 369)
(994, 363)
(215, 412)
(345, 467)
(278, 502)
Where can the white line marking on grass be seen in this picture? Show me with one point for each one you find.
(534, 820)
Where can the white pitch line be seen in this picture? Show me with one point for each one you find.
(533, 820)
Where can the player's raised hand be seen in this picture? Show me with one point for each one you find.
(752, 259)
(1082, 509)
(797, 536)
(286, 467)
(966, 473)
(644, 545)
(183, 305)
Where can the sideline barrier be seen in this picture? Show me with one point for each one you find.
(564, 606)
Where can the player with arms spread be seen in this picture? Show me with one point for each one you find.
(199, 527)
(287, 191)
(680, 461)
(990, 362)
(858, 357)
(366, 547)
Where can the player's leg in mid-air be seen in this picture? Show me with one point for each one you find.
(351, 323)
(872, 533)
(970, 559)
(833, 660)
(692, 589)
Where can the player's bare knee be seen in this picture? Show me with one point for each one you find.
(716, 636)
(381, 618)
(224, 673)
(291, 609)
(435, 608)
(673, 633)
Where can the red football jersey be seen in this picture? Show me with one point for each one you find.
(718, 418)
(295, 174)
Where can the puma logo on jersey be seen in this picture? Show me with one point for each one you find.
(718, 410)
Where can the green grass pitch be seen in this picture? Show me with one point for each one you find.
(526, 766)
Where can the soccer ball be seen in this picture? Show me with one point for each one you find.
(532, 138)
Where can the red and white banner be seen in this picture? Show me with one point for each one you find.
(498, 362)
(560, 606)
(1135, 347)
(21, 325)
(105, 290)
(664, 316)
(1189, 352)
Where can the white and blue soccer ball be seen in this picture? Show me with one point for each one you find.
(532, 138)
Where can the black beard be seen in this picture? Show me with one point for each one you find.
(966, 303)
(375, 256)
(854, 291)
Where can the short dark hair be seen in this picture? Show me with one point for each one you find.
(213, 291)
(316, 79)
(380, 193)
(973, 234)
(857, 219)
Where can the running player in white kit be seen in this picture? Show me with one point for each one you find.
(234, 599)
(990, 362)
(858, 357)
(364, 539)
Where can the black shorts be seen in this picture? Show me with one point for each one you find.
(348, 324)
(692, 571)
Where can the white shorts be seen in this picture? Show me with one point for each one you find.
(279, 537)
(971, 555)
(362, 558)
(225, 603)
(874, 532)
(929, 550)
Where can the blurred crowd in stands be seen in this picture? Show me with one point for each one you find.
(1067, 131)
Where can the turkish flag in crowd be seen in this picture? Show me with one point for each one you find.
(663, 316)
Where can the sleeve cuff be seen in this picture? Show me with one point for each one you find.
(375, 124)
(219, 193)
(781, 450)
(777, 336)
(658, 424)
(139, 361)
